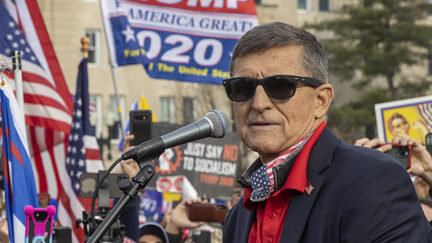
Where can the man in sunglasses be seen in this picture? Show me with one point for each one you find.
(307, 185)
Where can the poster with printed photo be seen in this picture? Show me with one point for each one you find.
(408, 117)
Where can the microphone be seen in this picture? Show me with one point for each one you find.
(214, 124)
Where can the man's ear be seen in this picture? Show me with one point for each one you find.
(325, 94)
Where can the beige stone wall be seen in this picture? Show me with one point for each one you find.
(277, 10)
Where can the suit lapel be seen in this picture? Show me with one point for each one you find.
(299, 209)
(301, 204)
(245, 221)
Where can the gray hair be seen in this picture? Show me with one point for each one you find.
(277, 34)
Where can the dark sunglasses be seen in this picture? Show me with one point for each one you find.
(279, 87)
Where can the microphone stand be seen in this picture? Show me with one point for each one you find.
(130, 190)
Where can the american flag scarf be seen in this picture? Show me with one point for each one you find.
(262, 180)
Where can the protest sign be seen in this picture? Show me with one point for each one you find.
(408, 117)
(210, 165)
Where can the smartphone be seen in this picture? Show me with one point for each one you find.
(207, 212)
(39, 224)
(428, 142)
(140, 125)
(402, 154)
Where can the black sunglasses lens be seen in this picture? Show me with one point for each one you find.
(240, 89)
(280, 88)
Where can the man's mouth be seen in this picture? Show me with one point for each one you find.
(261, 124)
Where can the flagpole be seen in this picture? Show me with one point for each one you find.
(117, 99)
(17, 67)
(119, 109)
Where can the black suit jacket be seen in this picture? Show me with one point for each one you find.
(360, 195)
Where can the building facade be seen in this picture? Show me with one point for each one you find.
(171, 101)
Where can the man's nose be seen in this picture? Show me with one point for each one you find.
(261, 101)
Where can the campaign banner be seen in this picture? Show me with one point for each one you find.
(188, 40)
(209, 165)
(122, 43)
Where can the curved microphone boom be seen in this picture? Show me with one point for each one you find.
(213, 124)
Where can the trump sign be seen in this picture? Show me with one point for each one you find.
(184, 40)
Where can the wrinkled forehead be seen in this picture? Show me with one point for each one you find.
(286, 60)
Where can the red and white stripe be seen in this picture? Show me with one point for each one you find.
(281, 158)
(425, 110)
(48, 110)
(93, 159)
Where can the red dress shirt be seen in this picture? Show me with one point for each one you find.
(271, 213)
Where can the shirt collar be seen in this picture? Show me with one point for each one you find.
(296, 180)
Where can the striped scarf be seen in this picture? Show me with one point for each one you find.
(262, 180)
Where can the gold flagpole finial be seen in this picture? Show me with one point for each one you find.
(85, 41)
(2, 80)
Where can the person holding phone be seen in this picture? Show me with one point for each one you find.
(421, 160)
(421, 166)
(177, 218)
(307, 185)
(170, 229)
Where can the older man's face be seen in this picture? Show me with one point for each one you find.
(270, 126)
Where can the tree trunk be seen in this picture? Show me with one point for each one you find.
(392, 88)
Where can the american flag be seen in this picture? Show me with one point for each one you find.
(262, 180)
(425, 110)
(47, 104)
(281, 158)
(309, 188)
(83, 151)
(82, 154)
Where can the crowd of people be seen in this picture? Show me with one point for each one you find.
(306, 185)
(175, 226)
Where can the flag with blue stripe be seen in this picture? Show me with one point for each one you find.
(123, 45)
(19, 183)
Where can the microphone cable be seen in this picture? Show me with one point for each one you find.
(95, 193)
(99, 184)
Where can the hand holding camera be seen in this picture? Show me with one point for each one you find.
(401, 152)
(420, 160)
(207, 212)
(178, 217)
